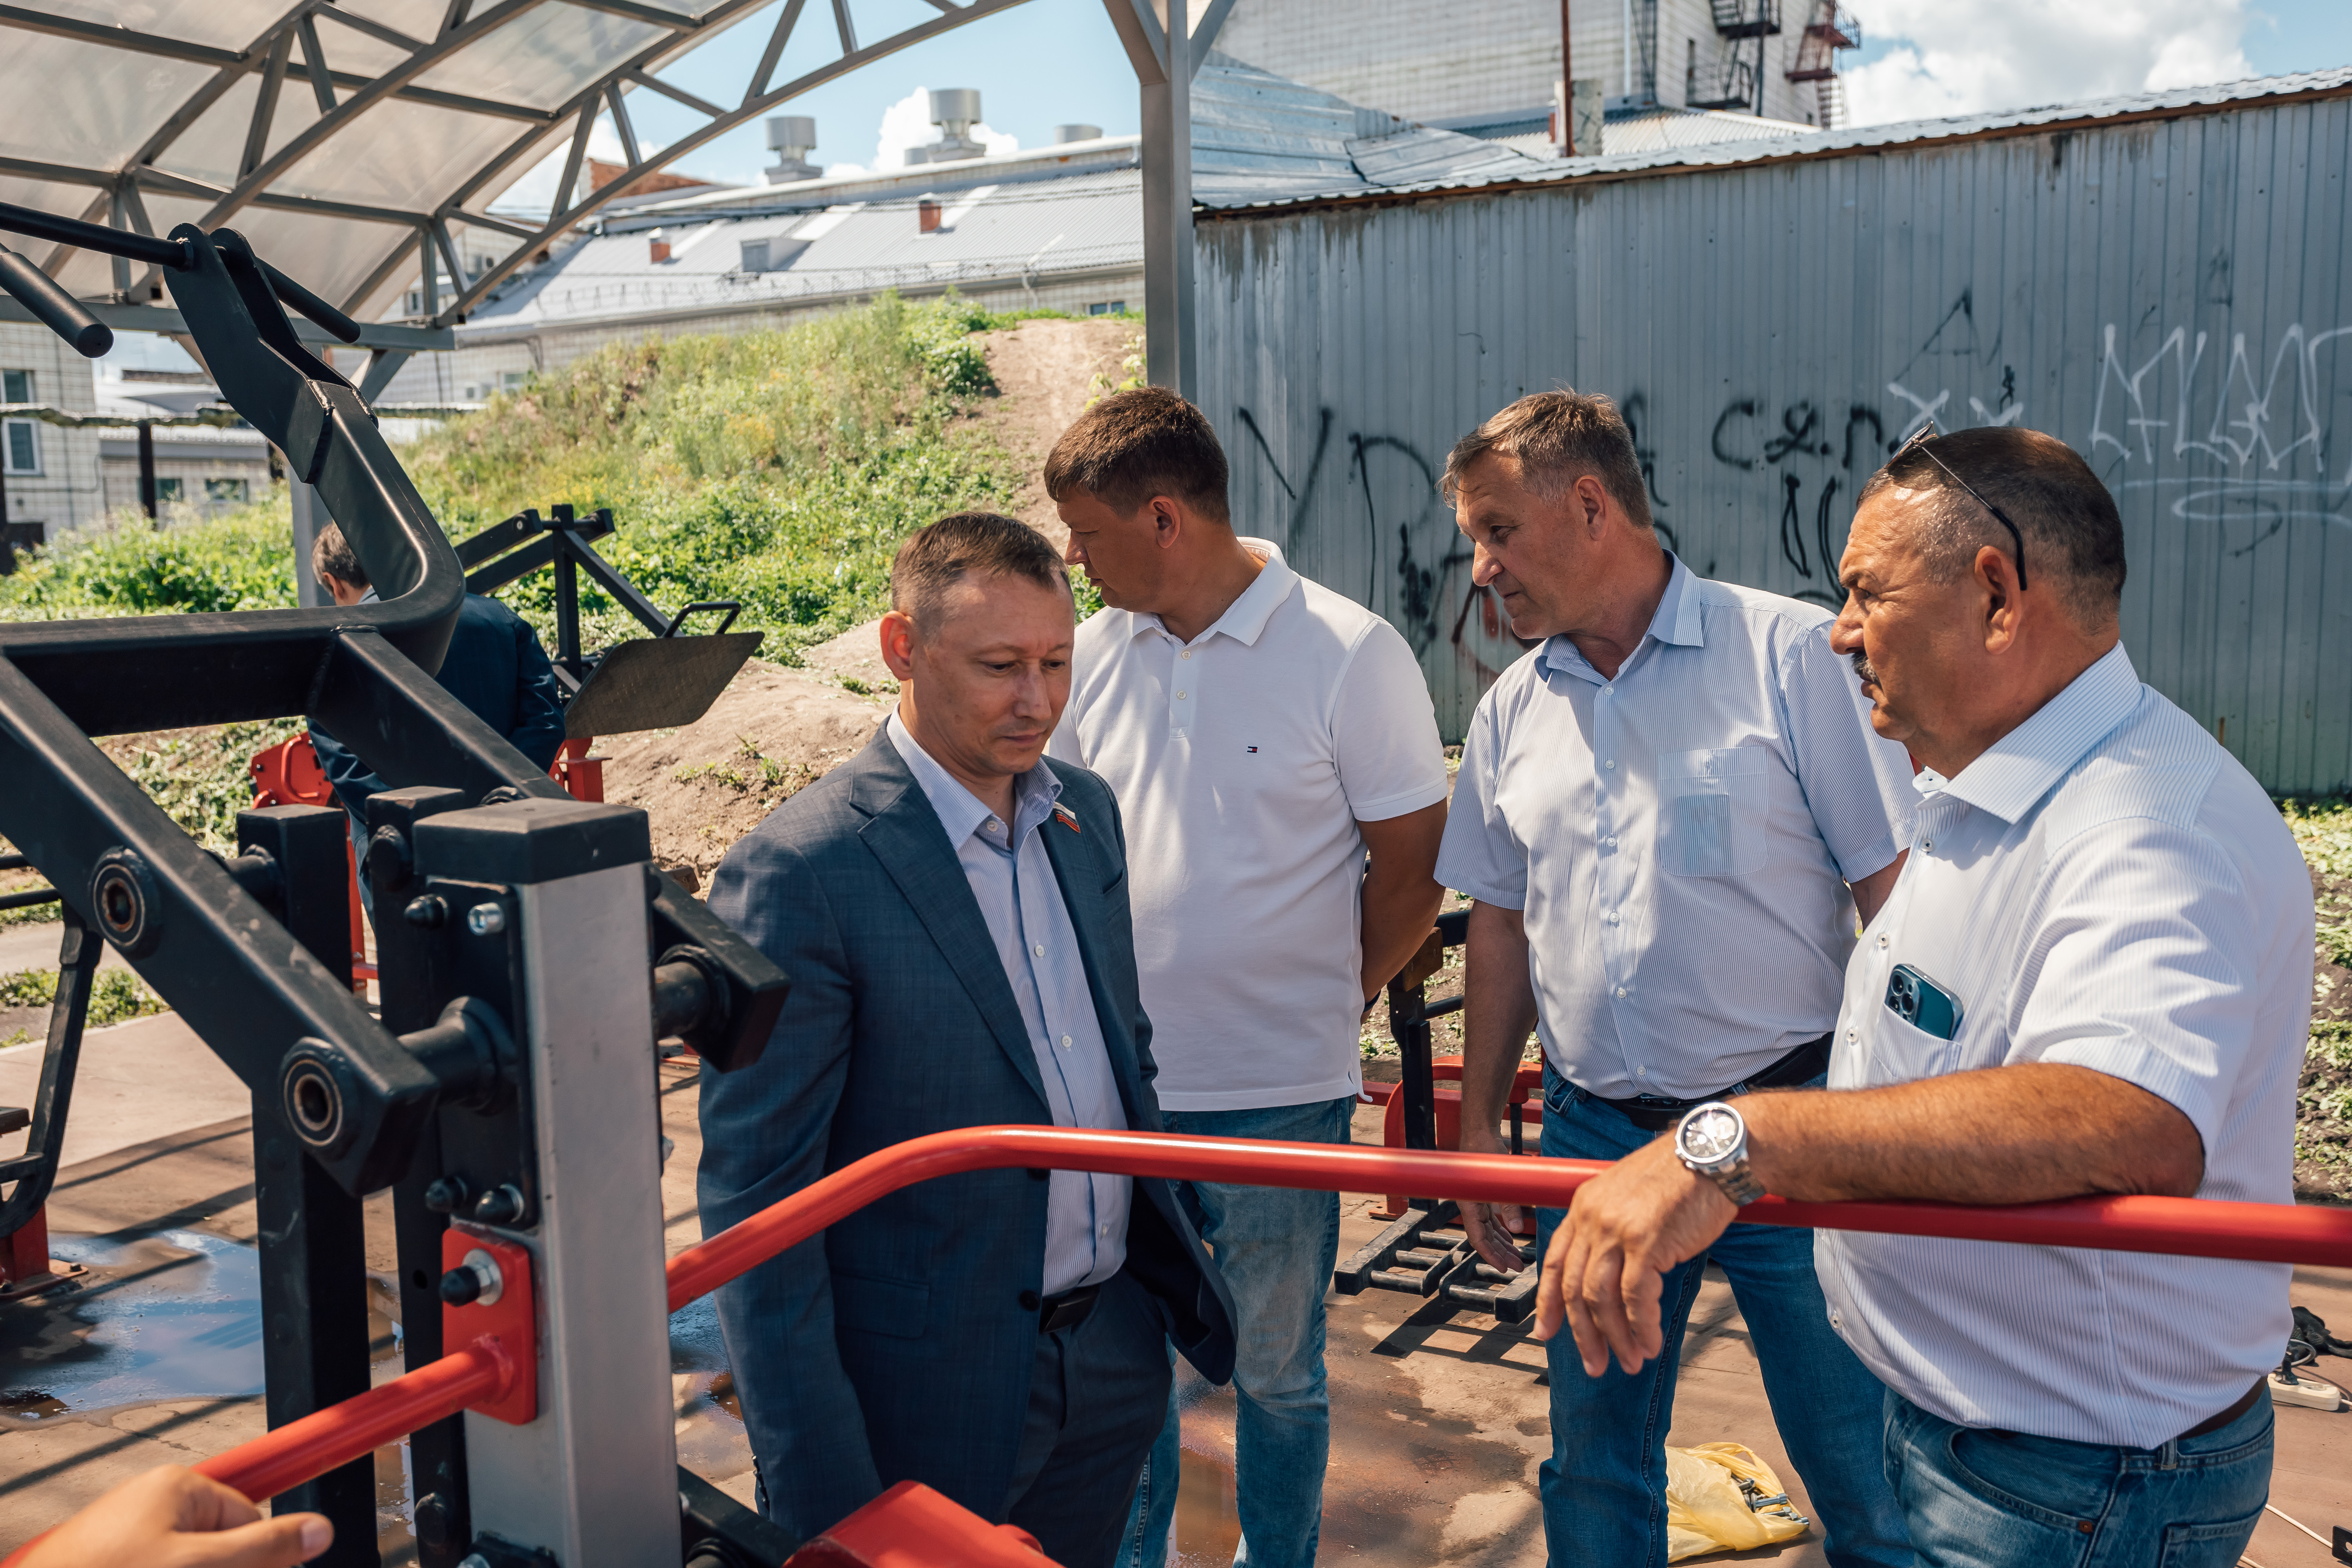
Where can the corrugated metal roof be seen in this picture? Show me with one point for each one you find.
(989, 233)
(2178, 100)
(1258, 137)
(1655, 129)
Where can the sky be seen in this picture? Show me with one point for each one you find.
(1048, 62)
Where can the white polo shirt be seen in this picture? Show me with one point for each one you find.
(2104, 887)
(1242, 761)
(1680, 837)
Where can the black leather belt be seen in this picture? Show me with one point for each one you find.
(1066, 1310)
(2215, 1423)
(1657, 1112)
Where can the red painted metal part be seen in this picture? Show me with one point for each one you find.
(304, 1449)
(2281, 1233)
(911, 1526)
(2196, 1228)
(289, 773)
(1447, 1105)
(511, 1321)
(582, 776)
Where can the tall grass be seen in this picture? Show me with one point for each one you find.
(778, 468)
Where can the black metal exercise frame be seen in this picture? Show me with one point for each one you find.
(344, 1103)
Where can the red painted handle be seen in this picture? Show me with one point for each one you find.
(2195, 1227)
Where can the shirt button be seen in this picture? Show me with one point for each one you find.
(1836, 1321)
(1608, 691)
(1621, 991)
(1180, 697)
(1188, 653)
(1039, 950)
(1927, 844)
(1853, 1035)
(1612, 841)
(1881, 941)
(1065, 1042)
(1612, 917)
(1610, 764)
(1641, 1072)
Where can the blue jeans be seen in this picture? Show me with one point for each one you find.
(1996, 1500)
(1605, 1487)
(1277, 1248)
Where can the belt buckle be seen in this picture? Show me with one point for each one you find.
(1662, 1102)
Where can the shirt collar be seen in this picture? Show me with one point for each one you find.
(1676, 620)
(960, 811)
(2016, 771)
(1244, 619)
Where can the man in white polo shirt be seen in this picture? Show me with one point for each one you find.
(1261, 733)
(2093, 976)
(1666, 817)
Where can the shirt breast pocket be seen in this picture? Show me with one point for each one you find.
(1712, 806)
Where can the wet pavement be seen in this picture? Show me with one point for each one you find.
(1438, 1417)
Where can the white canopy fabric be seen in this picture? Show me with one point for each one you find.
(340, 136)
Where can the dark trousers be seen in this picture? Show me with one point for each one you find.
(1098, 1397)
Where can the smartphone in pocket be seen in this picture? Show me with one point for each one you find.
(1921, 1003)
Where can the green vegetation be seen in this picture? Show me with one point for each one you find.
(780, 469)
(115, 997)
(2324, 829)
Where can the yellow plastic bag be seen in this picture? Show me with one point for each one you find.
(1721, 1497)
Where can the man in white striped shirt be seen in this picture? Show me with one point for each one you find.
(2092, 976)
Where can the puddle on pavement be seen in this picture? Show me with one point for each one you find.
(711, 1441)
(173, 1315)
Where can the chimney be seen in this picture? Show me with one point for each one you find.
(1077, 133)
(656, 248)
(792, 138)
(926, 215)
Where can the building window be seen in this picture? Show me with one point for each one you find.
(231, 491)
(167, 490)
(1108, 308)
(508, 380)
(20, 439)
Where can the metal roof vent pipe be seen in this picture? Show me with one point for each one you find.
(954, 109)
(926, 215)
(792, 138)
(1077, 133)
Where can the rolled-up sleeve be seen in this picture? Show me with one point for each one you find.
(1479, 855)
(1857, 786)
(2143, 966)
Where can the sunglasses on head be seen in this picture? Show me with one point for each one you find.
(1918, 442)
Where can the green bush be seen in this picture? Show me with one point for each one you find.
(116, 996)
(777, 468)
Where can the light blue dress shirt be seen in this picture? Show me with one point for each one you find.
(2104, 887)
(1085, 1212)
(1680, 837)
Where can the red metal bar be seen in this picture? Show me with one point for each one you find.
(304, 1449)
(2280, 1232)
(2196, 1228)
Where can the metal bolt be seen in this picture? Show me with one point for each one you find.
(486, 919)
(499, 1206)
(428, 912)
(475, 1279)
(447, 1195)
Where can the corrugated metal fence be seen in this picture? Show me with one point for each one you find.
(2169, 296)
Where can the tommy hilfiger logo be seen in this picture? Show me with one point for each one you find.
(1070, 818)
(1253, 751)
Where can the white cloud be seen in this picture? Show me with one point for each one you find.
(1969, 57)
(908, 123)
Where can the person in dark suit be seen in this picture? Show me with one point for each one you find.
(952, 910)
(494, 666)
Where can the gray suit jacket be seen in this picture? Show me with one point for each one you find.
(899, 1344)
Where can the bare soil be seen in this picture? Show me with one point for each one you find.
(2323, 1165)
(773, 731)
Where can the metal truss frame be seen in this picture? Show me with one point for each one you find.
(291, 50)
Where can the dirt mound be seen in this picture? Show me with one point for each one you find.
(1046, 373)
(705, 785)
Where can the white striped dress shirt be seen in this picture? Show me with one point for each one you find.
(2104, 887)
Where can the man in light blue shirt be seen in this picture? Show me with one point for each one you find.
(1086, 1214)
(952, 910)
(1666, 817)
(2092, 976)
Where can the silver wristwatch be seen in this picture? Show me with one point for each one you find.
(1712, 1141)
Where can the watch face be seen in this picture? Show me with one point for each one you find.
(1710, 1136)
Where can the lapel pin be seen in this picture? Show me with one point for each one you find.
(1070, 818)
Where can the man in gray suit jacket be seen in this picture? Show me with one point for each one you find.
(952, 911)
